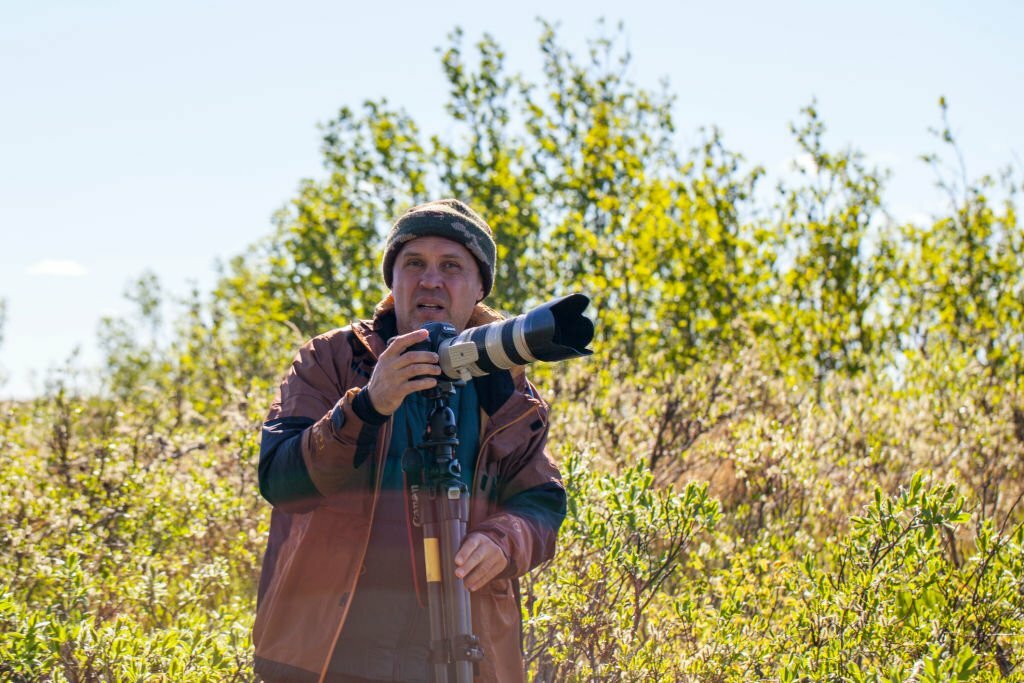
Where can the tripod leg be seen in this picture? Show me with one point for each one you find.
(435, 602)
(459, 616)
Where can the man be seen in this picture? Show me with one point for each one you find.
(341, 595)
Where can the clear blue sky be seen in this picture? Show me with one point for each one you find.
(162, 135)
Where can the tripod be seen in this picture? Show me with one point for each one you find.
(453, 648)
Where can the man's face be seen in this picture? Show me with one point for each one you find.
(435, 279)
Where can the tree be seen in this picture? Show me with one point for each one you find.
(837, 257)
(963, 286)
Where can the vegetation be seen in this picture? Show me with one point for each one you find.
(796, 454)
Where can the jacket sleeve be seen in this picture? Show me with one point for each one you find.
(283, 478)
(531, 502)
(315, 439)
(526, 527)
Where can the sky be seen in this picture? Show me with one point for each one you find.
(161, 136)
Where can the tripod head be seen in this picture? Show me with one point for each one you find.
(441, 440)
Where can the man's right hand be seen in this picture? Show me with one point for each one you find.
(394, 376)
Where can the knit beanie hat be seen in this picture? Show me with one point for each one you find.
(447, 218)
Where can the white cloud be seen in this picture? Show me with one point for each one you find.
(920, 219)
(804, 162)
(903, 214)
(58, 268)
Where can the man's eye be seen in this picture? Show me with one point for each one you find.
(453, 266)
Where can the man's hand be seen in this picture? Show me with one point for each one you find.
(478, 561)
(394, 375)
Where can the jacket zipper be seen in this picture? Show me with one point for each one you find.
(478, 469)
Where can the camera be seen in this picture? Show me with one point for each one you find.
(554, 331)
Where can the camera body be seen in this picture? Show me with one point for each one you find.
(454, 359)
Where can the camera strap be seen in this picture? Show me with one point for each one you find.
(412, 476)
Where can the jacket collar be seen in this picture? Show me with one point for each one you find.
(374, 334)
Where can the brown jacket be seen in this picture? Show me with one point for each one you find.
(316, 551)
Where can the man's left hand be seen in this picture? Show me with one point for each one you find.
(478, 561)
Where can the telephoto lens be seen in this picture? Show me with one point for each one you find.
(552, 332)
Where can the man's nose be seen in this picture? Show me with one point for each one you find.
(431, 278)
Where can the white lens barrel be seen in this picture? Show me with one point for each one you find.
(555, 331)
